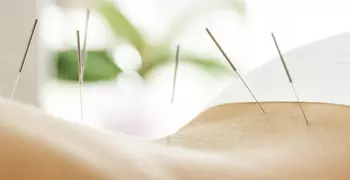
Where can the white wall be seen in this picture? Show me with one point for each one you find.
(16, 19)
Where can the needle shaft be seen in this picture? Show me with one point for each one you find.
(84, 55)
(24, 58)
(290, 78)
(175, 73)
(80, 74)
(234, 68)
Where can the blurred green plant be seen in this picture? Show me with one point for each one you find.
(100, 64)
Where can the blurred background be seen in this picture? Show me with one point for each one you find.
(131, 54)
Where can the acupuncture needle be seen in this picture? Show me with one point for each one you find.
(177, 57)
(84, 54)
(80, 74)
(233, 67)
(24, 58)
(175, 73)
(289, 78)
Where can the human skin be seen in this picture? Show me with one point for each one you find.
(36, 146)
(279, 141)
(228, 142)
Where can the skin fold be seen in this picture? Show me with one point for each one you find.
(233, 141)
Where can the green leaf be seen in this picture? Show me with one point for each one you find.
(99, 66)
(209, 65)
(203, 8)
(120, 25)
(153, 57)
